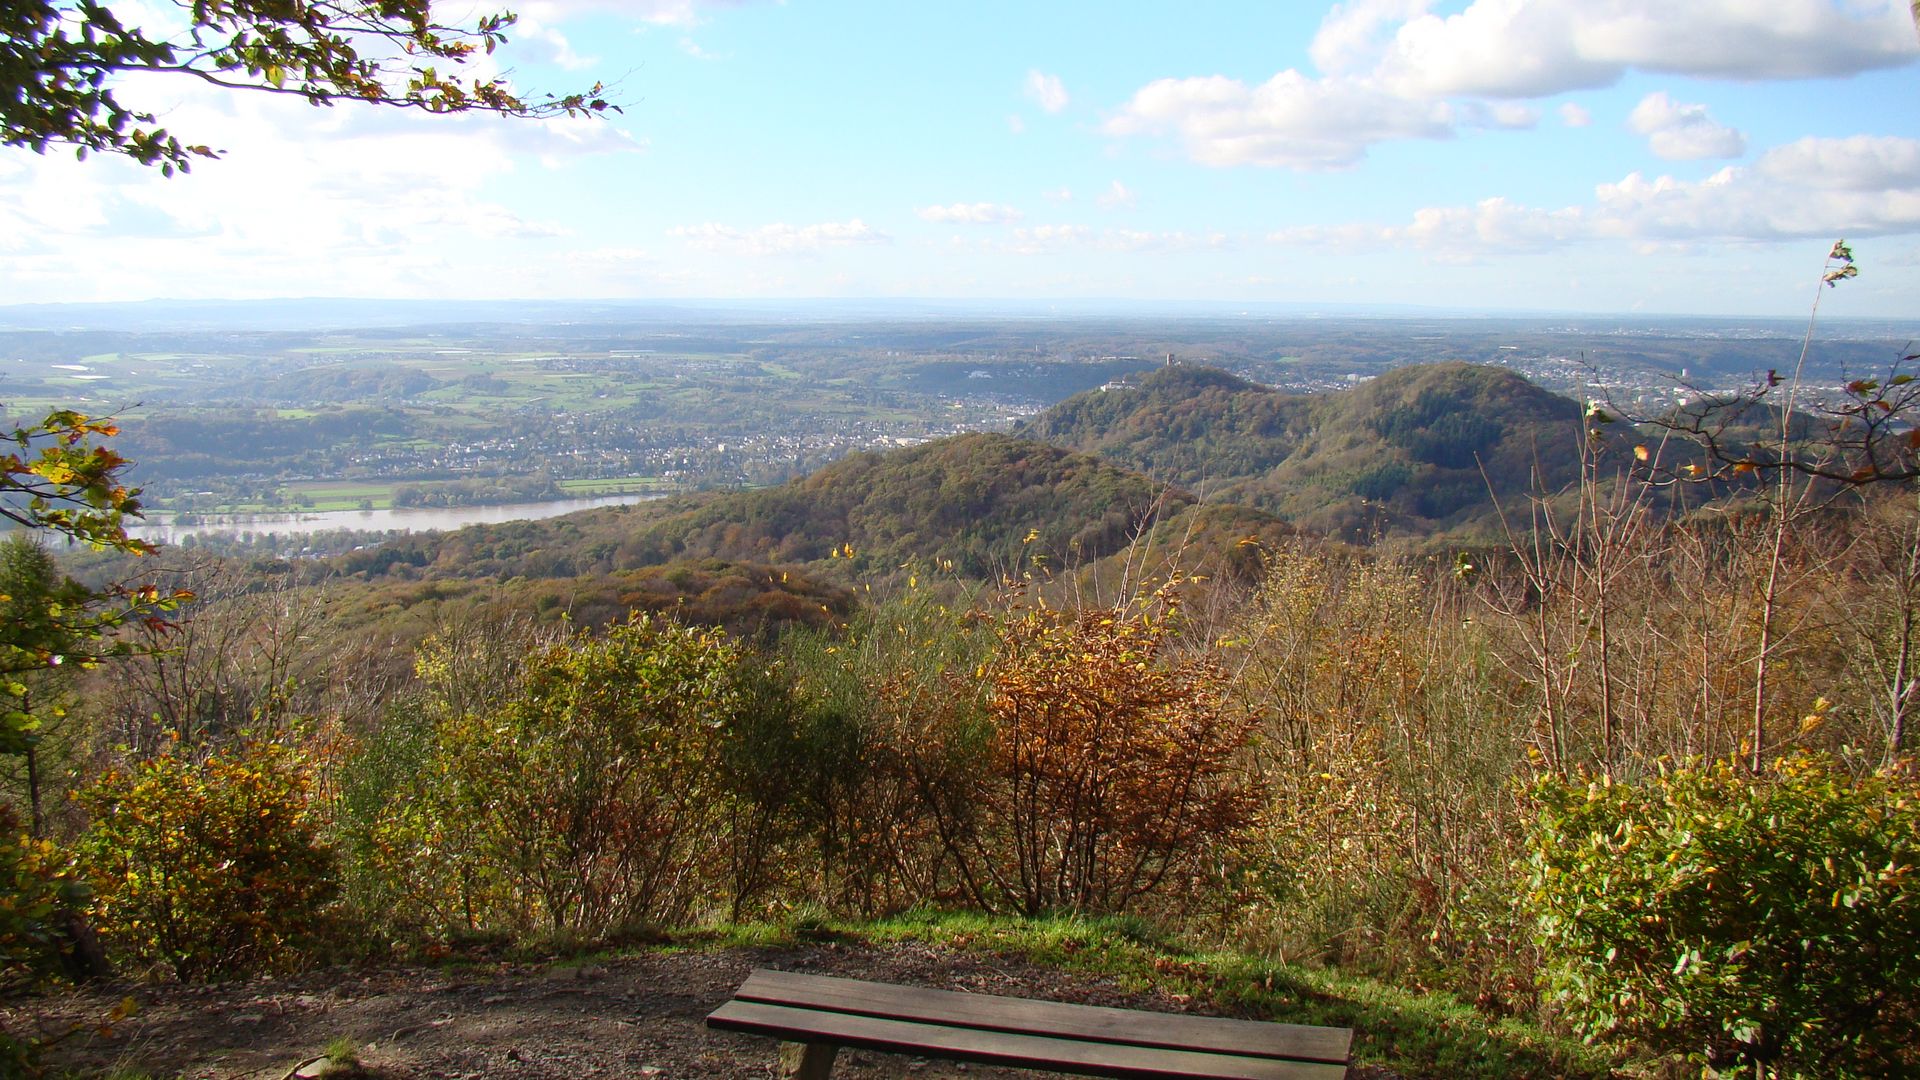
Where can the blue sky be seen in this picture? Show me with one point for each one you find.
(1573, 155)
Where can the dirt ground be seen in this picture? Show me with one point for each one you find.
(634, 1017)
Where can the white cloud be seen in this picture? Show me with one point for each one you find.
(1016, 124)
(1063, 194)
(1047, 91)
(1533, 48)
(1393, 69)
(350, 200)
(979, 213)
(1174, 240)
(656, 12)
(1042, 238)
(1504, 115)
(1117, 197)
(1680, 132)
(1490, 225)
(1290, 121)
(560, 137)
(779, 238)
(1354, 33)
(1813, 189)
(1856, 163)
(1451, 234)
(612, 257)
(1515, 116)
(1331, 239)
(1808, 189)
(531, 34)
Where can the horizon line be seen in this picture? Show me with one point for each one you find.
(1027, 305)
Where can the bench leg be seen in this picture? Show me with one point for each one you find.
(807, 1061)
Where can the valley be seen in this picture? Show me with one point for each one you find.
(224, 418)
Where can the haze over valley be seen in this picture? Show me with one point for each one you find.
(223, 419)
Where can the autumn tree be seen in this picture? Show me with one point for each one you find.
(58, 479)
(61, 64)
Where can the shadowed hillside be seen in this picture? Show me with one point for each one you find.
(981, 503)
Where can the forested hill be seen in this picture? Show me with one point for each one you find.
(1191, 425)
(982, 502)
(1417, 449)
(972, 500)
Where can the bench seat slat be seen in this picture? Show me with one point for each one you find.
(1254, 1038)
(1006, 1048)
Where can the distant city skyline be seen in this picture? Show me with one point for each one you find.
(1627, 157)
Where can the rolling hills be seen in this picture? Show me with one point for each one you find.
(977, 505)
(1422, 451)
(1419, 450)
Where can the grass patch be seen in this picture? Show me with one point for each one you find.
(342, 495)
(617, 485)
(344, 1051)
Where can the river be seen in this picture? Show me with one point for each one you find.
(409, 519)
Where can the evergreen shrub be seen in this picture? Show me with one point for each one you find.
(1766, 922)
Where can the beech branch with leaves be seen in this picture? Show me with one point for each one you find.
(58, 478)
(1864, 434)
(59, 60)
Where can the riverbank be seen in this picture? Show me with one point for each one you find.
(162, 528)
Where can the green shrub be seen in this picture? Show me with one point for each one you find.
(590, 798)
(763, 765)
(883, 736)
(1768, 922)
(213, 867)
(39, 894)
(411, 865)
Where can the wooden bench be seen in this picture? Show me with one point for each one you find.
(815, 1015)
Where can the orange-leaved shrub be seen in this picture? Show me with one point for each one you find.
(211, 867)
(1111, 766)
